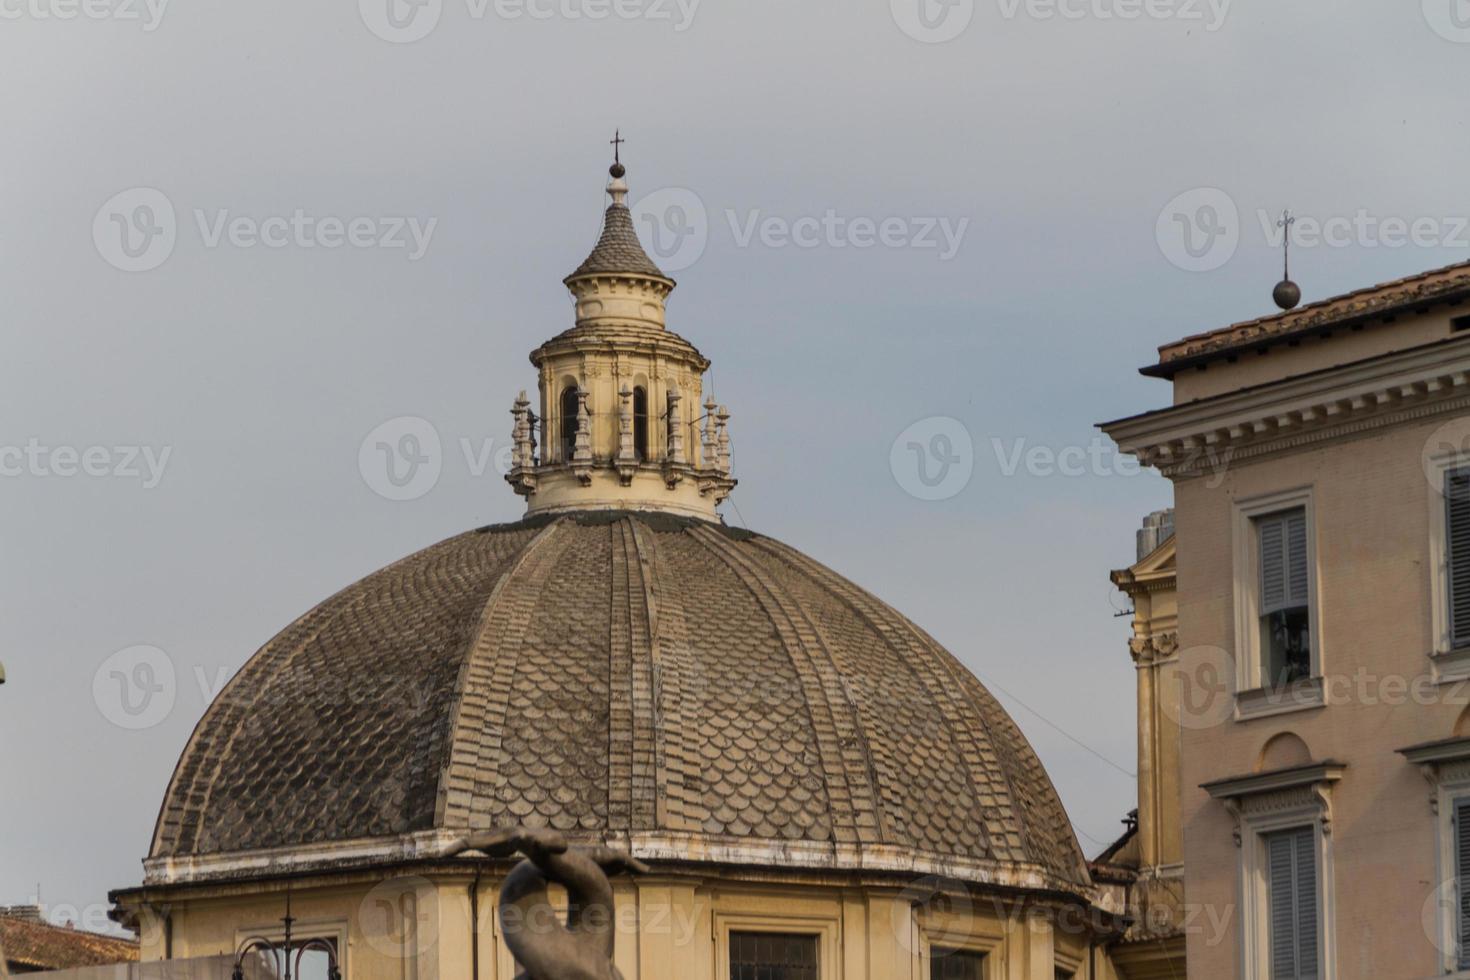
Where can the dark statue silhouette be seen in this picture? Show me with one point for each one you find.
(544, 946)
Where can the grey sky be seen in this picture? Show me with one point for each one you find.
(262, 369)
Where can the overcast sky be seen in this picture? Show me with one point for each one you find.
(881, 216)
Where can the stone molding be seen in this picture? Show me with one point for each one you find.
(692, 849)
(1200, 437)
(1155, 649)
(1253, 797)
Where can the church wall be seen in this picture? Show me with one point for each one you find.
(668, 928)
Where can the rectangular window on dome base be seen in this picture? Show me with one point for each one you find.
(772, 956)
(955, 964)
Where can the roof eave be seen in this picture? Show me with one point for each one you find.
(1169, 368)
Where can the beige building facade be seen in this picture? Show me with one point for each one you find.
(1147, 862)
(820, 790)
(1322, 556)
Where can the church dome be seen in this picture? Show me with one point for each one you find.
(672, 685)
(619, 666)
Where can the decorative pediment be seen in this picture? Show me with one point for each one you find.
(1156, 570)
(1445, 761)
(1298, 790)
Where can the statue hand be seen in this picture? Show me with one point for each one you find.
(534, 842)
(614, 862)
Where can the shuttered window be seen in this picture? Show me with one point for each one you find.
(1285, 596)
(772, 956)
(1291, 898)
(1462, 883)
(1283, 559)
(1457, 551)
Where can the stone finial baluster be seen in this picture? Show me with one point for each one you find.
(522, 475)
(627, 460)
(521, 433)
(582, 448)
(518, 431)
(707, 433)
(722, 438)
(533, 426)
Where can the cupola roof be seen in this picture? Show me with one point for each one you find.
(618, 249)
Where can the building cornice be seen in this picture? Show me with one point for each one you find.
(1205, 436)
(661, 848)
(624, 338)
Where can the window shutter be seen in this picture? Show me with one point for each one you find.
(1272, 534)
(1457, 547)
(1296, 557)
(1306, 903)
(1462, 879)
(1291, 869)
(1281, 870)
(1283, 547)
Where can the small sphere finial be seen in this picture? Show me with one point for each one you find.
(1287, 294)
(617, 187)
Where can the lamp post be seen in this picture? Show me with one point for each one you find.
(281, 955)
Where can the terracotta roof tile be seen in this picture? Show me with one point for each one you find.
(42, 946)
(1436, 284)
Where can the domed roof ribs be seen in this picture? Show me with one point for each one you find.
(841, 738)
(680, 804)
(1051, 842)
(635, 799)
(482, 691)
(520, 715)
(200, 762)
(992, 820)
(946, 690)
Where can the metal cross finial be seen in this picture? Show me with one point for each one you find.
(617, 141)
(1284, 223)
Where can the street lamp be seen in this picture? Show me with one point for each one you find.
(281, 955)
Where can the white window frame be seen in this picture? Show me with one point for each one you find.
(1261, 803)
(1253, 699)
(1450, 665)
(1451, 786)
(1256, 822)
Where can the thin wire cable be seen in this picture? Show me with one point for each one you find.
(1059, 728)
(1099, 843)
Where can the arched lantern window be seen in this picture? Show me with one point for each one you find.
(570, 404)
(640, 423)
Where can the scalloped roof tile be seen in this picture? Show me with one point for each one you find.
(608, 673)
(618, 248)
